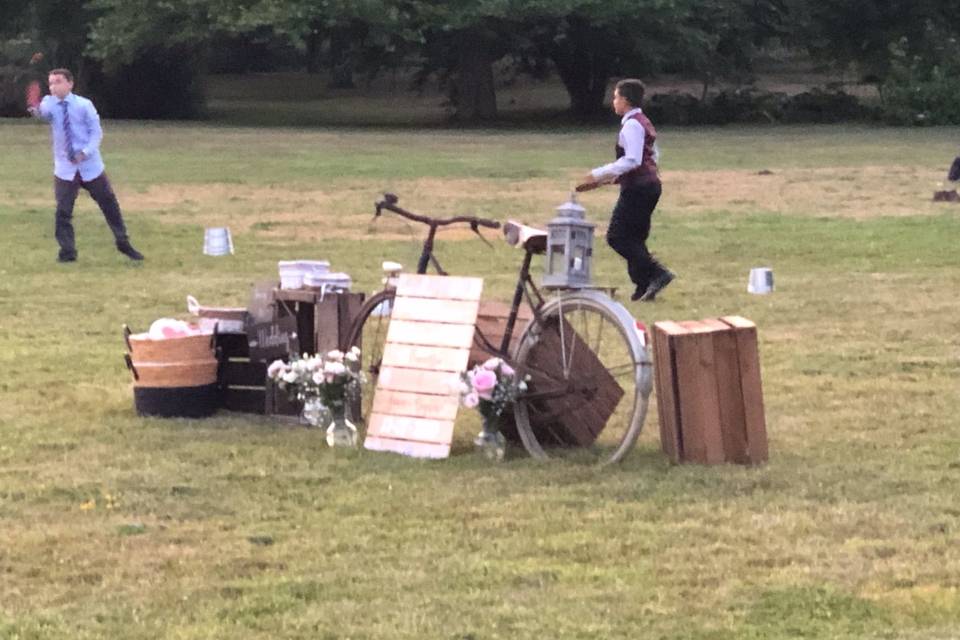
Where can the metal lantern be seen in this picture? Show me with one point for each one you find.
(569, 247)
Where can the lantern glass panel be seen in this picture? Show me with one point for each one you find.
(557, 256)
(578, 262)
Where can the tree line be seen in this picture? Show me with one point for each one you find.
(146, 58)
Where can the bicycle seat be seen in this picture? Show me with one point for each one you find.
(530, 238)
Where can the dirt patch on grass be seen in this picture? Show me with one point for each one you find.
(345, 209)
(846, 192)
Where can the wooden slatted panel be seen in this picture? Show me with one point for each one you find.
(748, 359)
(668, 407)
(573, 418)
(428, 344)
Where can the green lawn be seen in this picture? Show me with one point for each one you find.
(114, 526)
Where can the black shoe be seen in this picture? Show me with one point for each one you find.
(638, 292)
(127, 249)
(67, 257)
(657, 285)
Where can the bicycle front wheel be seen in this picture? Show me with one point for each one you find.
(590, 379)
(369, 333)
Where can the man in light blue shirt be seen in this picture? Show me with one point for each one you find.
(76, 135)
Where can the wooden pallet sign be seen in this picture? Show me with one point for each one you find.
(709, 395)
(428, 345)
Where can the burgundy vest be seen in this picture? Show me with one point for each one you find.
(647, 171)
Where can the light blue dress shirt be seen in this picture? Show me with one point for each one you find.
(85, 131)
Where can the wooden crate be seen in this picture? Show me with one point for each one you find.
(568, 419)
(243, 382)
(323, 321)
(492, 323)
(709, 395)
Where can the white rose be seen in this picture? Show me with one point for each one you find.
(335, 356)
(334, 368)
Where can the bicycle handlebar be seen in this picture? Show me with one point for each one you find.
(390, 200)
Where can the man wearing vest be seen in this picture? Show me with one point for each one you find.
(76, 134)
(635, 170)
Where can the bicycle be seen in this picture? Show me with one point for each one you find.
(368, 330)
(590, 373)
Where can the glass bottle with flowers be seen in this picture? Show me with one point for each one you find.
(490, 387)
(326, 385)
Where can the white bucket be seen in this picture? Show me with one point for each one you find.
(217, 241)
(291, 275)
(314, 266)
(761, 280)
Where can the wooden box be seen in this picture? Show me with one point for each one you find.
(323, 320)
(709, 395)
(243, 381)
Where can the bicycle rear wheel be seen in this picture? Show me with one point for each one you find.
(369, 333)
(590, 379)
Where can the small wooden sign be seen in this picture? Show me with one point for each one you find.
(428, 345)
(272, 339)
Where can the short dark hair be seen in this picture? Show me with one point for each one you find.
(62, 72)
(631, 90)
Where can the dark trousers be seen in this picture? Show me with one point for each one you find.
(629, 229)
(102, 193)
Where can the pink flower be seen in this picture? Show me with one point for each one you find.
(471, 400)
(483, 383)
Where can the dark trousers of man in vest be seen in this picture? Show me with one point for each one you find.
(102, 193)
(629, 229)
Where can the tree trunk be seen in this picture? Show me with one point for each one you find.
(474, 94)
(584, 64)
(341, 58)
(314, 47)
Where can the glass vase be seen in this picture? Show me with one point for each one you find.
(490, 442)
(314, 413)
(341, 432)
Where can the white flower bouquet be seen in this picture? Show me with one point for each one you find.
(333, 379)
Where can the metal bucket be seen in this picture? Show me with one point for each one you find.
(217, 241)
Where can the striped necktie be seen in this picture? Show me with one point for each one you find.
(68, 134)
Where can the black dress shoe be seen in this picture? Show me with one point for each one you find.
(67, 257)
(638, 292)
(657, 285)
(127, 249)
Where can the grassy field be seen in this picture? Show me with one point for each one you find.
(114, 526)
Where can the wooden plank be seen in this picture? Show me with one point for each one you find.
(404, 403)
(729, 392)
(748, 356)
(349, 307)
(441, 383)
(326, 323)
(410, 428)
(424, 357)
(446, 288)
(233, 345)
(244, 400)
(407, 447)
(665, 370)
(434, 310)
(243, 372)
(699, 401)
(430, 333)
